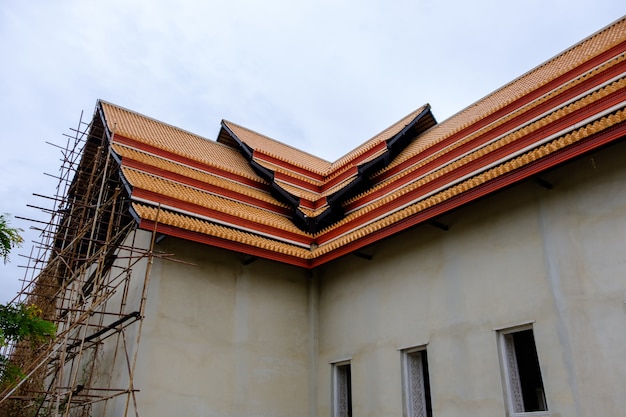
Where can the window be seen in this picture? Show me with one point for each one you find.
(416, 383)
(342, 389)
(521, 373)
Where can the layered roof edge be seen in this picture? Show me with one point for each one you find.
(250, 193)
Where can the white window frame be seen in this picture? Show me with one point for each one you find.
(413, 383)
(510, 375)
(341, 399)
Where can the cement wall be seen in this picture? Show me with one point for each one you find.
(114, 357)
(554, 258)
(222, 338)
(225, 338)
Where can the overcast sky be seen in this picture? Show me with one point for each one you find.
(323, 76)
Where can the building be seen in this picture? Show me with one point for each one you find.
(470, 267)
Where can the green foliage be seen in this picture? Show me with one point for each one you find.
(20, 322)
(9, 373)
(9, 237)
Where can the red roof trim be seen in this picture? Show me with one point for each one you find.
(219, 216)
(599, 106)
(209, 188)
(586, 145)
(353, 171)
(321, 202)
(382, 146)
(189, 162)
(296, 182)
(306, 204)
(546, 131)
(313, 205)
(258, 154)
(593, 142)
(223, 243)
(552, 103)
(551, 85)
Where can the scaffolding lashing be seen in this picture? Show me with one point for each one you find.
(90, 277)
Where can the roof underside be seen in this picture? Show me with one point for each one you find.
(252, 194)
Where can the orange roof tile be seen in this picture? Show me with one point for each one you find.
(560, 65)
(386, 134)
(189, 223)
(196, 174)
(132, 125)
(279, 150)
(567, 106)
(176, 192)
(502, 141)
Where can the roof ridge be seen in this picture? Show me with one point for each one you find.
(162, 123)
(535, 69)
(275, 140)
(342, 160)
(335, 165)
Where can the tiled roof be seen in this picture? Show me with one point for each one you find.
(191, 173)
(278, 150)
(150, 132)
(258, 196)
(186, 197)
(381, 137)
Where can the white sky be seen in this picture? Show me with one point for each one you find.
(323, 76)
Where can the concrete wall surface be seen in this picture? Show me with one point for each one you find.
(224, 337)
(554, 259)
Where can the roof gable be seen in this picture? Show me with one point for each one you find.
(249, 193)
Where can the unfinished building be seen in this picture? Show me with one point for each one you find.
(469, 267)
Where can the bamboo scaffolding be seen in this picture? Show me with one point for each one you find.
(79, 274)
